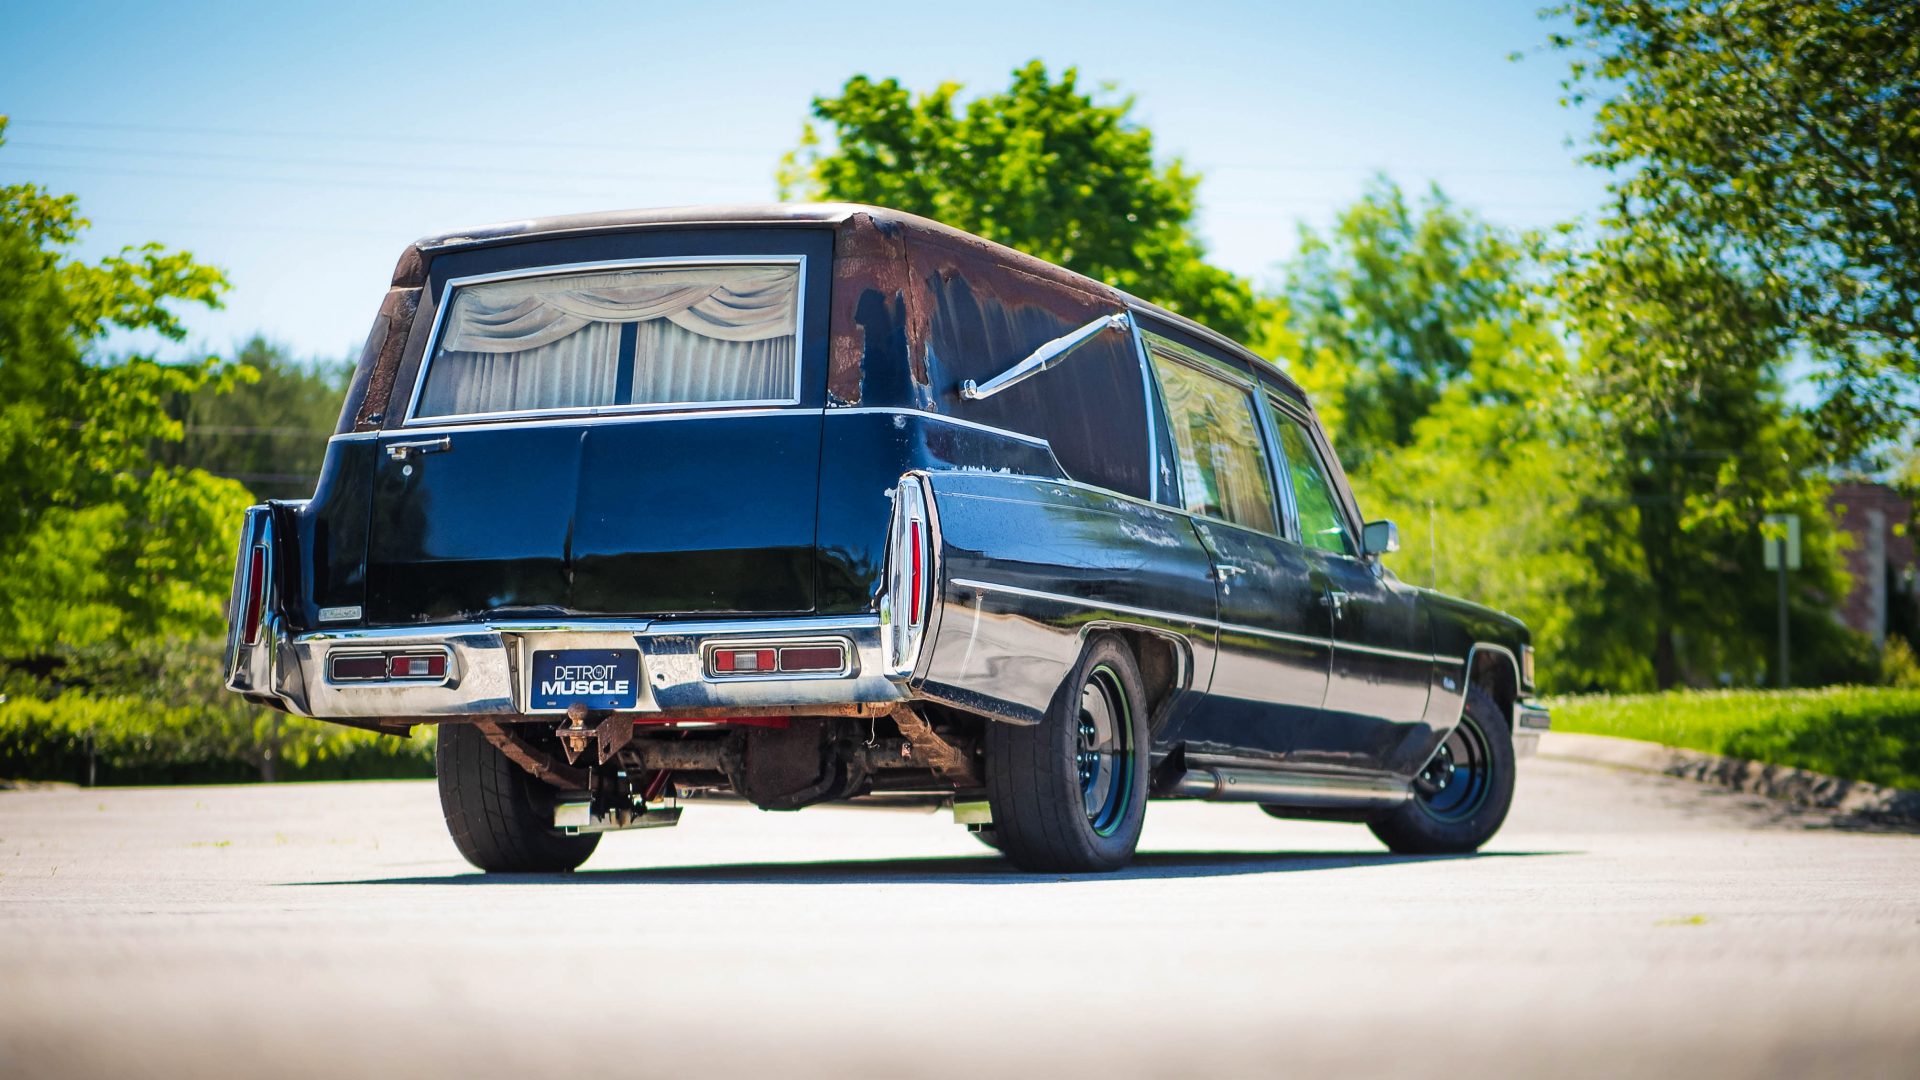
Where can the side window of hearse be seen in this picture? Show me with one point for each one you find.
(1223, 468)
(1321, 525)
(637, 337)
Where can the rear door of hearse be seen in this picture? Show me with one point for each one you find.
(616, 425)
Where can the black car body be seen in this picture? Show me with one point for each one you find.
(748, 501)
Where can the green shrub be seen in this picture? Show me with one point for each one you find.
(133, 741)
(1856, 732)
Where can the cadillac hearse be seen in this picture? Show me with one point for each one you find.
(809, 504)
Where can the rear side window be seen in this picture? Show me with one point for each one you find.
(617, 339)
(1223, 467)
(1321, 524)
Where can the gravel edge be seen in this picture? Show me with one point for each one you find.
(1802, 786)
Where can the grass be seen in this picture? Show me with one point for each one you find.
(1855, 732)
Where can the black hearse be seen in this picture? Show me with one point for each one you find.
(802, 504)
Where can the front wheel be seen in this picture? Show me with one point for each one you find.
(500, 816)
(1461, 797)
(1069, 794)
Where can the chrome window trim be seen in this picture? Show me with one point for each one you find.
(1282, 476)
(1150, 399)
(413, 419)
(577, 421)
(895, 410)
(705, 413)
(1181, 354)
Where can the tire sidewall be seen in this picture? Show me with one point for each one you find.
(1063, 720)
(1412, 828)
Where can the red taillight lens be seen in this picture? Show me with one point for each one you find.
(813, 658)
(743, 661)
(358, 668)
(917, 600)
(253, 599)
(417, 666)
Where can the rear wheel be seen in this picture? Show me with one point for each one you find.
(1069, 794)
(501, 817)
(1461, 797)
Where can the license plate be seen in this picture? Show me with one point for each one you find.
(599, 678)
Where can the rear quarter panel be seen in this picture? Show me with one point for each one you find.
(1031, 566)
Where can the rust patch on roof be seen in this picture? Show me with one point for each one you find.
(398, 309)
(865, 324)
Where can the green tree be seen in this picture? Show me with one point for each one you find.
(1042, 167)
(99, 546)
(1587, 437)
(269, 430)
(1784, 137)
(1430, 345)
(1392, 308)
(1682, 357)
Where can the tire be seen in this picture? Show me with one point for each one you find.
(1462, 796)
(987, 837)
(1069, 794)
(501, 818)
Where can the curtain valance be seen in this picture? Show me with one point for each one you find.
(748, 303)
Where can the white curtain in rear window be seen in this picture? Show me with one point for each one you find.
(699, 335)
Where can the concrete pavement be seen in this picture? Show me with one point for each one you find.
(1620, 923)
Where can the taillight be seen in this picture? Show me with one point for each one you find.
(743, 661)
(913, 579)
(812, 658)
(253, 598)
(918, 610)
(391, 665)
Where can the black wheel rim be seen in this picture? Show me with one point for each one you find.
(1103, 750)
(1454, 784)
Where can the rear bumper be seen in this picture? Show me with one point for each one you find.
(488, 666)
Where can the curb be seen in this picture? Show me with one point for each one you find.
(1855, 798)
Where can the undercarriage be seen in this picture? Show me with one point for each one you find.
(613, 772)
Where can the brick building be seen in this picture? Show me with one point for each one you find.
(1881, 560)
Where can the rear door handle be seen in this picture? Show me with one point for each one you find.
(1224, 571)
(401, 450)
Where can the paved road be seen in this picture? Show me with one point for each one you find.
(1621, 923)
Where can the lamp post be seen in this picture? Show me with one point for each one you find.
(1780, 542)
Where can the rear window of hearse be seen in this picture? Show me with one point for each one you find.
(600, 340)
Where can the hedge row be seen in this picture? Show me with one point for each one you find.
(1856, 732)
(124, 740)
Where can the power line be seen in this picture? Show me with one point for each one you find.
(351, 163)
(290, 181)
(616, 146)
(380, 137)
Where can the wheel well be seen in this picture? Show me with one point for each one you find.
(1494, 672)
(1161, 669)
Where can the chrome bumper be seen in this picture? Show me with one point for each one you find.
(489, 666)
(1530, 720)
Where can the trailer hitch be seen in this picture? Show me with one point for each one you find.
(611, 730)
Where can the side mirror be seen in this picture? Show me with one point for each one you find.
(1379, 538)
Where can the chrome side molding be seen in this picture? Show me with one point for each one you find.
(1289, 789)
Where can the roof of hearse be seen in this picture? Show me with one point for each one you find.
(802, 214)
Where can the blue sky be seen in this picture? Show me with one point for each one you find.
(301, 146)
